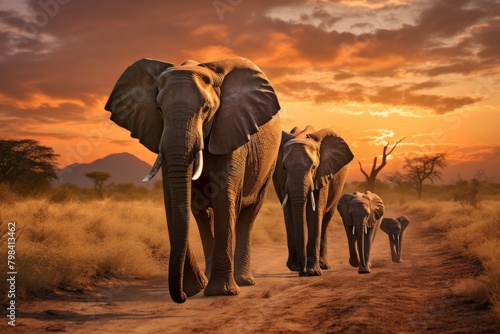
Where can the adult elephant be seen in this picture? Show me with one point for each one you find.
(309, 177)
(216, 129)
(361, 214)
(395, 229)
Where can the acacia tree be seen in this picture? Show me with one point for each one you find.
(98, 178)
(370, 179)
(424, 167)
(26, 166)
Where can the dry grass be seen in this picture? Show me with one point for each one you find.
(474, 233)
(72, 243)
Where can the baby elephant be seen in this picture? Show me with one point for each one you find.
(395, 228)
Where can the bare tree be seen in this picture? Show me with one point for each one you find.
(98, 178)
(370, 179)
(425, 167)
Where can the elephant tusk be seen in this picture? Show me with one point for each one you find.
(366, 229)
(155, 168)
(198, 162)
(393, 237)
(353, 230)
(313, 203)
(284, 202)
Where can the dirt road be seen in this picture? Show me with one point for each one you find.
(416, 296)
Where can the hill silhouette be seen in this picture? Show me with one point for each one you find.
(124, 168)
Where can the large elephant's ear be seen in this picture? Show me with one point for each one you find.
(133, 102)
(334, 154)
(279, 175)
(404, 222)
(377, 205)
(385, 225)
(247, 101)
(343, 208)
(285, 137)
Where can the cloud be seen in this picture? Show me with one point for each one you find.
(59, 64)
(391, 96)
(377, 136)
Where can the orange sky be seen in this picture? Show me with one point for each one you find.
(374, 71)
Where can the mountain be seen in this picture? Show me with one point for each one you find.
(124, 168)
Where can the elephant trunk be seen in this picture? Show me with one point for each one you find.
(298, 205)
(180, 162)
(395, 240)
(362, 233)
(180, 194)
(399, 241)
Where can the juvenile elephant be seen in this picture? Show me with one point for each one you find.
(216, 129)
(361, 214)
(395, 228)
(309, 178)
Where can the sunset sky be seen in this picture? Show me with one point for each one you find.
(374, 71)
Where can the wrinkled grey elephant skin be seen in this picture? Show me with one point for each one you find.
(361, 214)
(308, 179)
(216, 129)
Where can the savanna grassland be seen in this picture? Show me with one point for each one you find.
(73, 243)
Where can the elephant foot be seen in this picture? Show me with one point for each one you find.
(324, 264)
(311, 272)
(397, 261)
(218, 287)
(293, 266)
(364, 270)
(354, 262)
(245, 280)
(194, 284)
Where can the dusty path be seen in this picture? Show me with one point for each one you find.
(416, 296)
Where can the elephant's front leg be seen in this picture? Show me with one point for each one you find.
(221, 280)
(205, 220)
(244, 225)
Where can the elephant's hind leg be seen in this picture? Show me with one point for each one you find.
(323, 253)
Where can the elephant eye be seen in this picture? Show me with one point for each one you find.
(159, 110)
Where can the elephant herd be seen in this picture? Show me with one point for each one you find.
(217, 132)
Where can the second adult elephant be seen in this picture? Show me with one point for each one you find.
(361, 214)
(309, 177)
(216, 129)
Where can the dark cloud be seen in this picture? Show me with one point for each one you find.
(399, 96)
(343, 76)
(73, 53)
